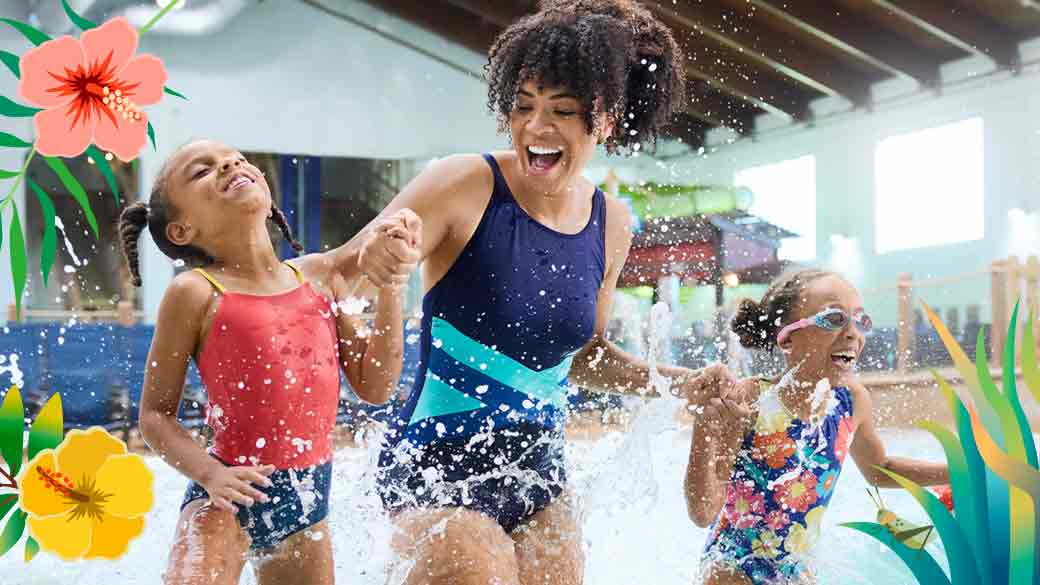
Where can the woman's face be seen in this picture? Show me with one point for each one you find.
(552, 142)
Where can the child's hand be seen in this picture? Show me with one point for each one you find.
(228, 486)
(393, 249)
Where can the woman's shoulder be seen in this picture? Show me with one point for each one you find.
(449, 186)
(856, 389)
(463, 168)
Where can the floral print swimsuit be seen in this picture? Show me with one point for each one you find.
(782, 479)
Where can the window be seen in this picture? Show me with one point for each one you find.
(88, 273)
(785, 194)
(932, 176)
(327, 200)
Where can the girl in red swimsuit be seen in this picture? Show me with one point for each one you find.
(269, 341)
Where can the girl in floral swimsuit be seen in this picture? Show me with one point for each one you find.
(761, 477)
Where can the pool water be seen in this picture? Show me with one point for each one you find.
(636, 528)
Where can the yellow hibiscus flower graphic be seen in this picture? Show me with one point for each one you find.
(87, 498)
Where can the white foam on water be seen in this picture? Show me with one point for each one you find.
(628, 486)
(634, 542)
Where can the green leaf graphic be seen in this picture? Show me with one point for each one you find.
(75, 189)
(13, 141)
(15, 110)
(106, 170)
(12, 429)
(920, 563)
(12, 62)
(79, 21)
(31, 548)
(49, 247)
(35, 36)
(18, 271)
(48, 429)
(175, 93)
(12, 532)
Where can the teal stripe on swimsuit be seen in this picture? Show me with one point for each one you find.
(545, 385)
(439, 398)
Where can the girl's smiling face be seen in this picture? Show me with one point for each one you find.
(823, 353)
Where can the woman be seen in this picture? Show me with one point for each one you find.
(521, 258)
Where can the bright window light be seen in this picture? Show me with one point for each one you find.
(929, 187)
(785, 194)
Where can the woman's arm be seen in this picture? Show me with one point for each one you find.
(601, 365)
(717, 436)
(443, 198)
(177, 332)
(869, 452)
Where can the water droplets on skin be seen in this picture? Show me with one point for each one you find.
(350, 305)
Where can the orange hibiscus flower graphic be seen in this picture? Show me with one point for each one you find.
(774, 448)
(91, 90)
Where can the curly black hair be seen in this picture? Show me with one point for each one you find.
(613, 54)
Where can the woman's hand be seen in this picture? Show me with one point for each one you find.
(714, 381)
(392, 249)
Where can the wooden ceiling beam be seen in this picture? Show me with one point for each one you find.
(879, 48)
(690, 130)
(813, 69)
(500, 13)
(757, 88)
(959, 26)
(444, 19)
(717, 109)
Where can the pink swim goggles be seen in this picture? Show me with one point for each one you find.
(832, 319)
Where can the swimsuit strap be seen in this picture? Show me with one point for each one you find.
(220, 288)
(296, 271)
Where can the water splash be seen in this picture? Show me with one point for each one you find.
(9, 365)
(660, 325)
(68, 243)
(625, 484)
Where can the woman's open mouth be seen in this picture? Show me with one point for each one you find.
(542, 159)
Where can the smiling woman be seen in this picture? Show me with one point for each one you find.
(521, 257)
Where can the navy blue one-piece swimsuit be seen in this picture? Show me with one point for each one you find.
(483, 427)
